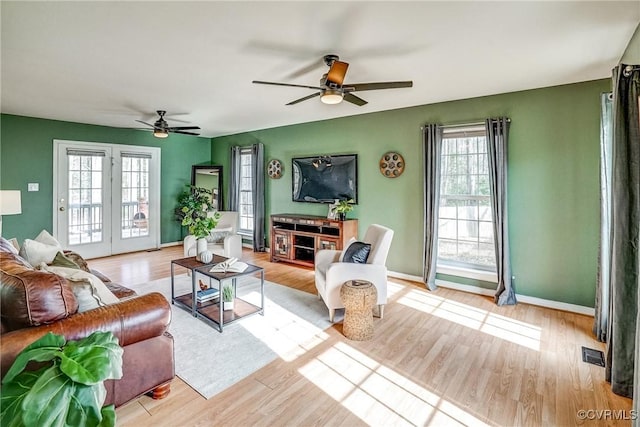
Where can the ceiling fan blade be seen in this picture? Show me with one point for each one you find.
(358, 87)
(349, 97)
(145, 123)
(337, 72)
(175, 128)
(183, 132)
(285, 84)
(306, 69)
(304, 98)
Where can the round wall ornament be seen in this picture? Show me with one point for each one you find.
(392, 164)
(274, 169)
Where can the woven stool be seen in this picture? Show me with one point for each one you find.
(359, 297)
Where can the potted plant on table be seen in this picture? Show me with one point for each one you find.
(227, 298)
(342, 208)
(68, 389)
(193, 211)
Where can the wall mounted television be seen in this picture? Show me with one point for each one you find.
(323, 179)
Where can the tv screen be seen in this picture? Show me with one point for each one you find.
(323, 179)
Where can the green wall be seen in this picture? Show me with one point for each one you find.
(553, 179)
(631, 54)
(26, 155)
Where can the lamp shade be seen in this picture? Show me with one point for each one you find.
(10, 203)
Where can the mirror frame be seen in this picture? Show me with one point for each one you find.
(218, 168)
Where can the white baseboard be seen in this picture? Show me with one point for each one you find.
(168, 244)
(556, 305)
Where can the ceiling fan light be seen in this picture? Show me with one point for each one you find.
(160, 133)
(331, 96)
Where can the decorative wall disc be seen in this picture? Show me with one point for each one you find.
(392, 164)
(274, 169)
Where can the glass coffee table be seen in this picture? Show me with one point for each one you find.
(211, 311)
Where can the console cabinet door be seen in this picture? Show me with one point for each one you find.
(282, 245)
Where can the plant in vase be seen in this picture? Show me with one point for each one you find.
(342, 208)
(68, 389)
(227, 297)
(193, 212)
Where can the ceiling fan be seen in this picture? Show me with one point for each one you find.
(161, 128)
(333, 90)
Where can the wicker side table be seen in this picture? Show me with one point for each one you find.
(359, 297)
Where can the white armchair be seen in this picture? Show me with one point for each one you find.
(228, 246)
(331, 273)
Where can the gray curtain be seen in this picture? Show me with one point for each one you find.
(234, 182)
(432, 149)
(636, 383)
(625, 219)
(497, 142)
(601, 321)
(257, 161)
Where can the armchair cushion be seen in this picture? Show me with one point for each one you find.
(217, 235)
(357, 253)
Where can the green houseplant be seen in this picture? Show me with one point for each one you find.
(343, 207)
(227, 297)
(192, 211)
(68, 390)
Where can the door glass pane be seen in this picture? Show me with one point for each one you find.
(85, 199)
(135, 197)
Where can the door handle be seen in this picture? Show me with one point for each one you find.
(61, 208)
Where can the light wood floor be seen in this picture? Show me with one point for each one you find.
(437, 358)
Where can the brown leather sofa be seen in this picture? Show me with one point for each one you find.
(33, 303)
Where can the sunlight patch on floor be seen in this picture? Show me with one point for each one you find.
(289, 336)
(379, 395)
(515, 331)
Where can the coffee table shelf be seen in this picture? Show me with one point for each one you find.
(211, 311)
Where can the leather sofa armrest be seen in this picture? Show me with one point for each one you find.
(133, 320)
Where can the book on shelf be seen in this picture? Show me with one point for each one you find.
(207, 294)
(232, 265)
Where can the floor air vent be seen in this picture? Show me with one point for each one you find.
(593, 356)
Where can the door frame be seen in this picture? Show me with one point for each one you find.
(114, 149)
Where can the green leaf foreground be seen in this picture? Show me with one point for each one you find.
(67, 392)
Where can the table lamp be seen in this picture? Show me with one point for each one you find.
(10, 204)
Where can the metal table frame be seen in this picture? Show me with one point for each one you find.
(195, 267)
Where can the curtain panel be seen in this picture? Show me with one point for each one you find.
(497, 142)
(432, 150)
(234, 182)
(601, 321)
(257, 193)
(625, 220)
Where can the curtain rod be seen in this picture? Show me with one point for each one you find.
(464, 124)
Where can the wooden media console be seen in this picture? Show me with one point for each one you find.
(296, 238)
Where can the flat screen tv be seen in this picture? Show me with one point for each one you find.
(323, 179)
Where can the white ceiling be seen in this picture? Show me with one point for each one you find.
(110, 63)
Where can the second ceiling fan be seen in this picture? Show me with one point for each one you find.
(333, 90)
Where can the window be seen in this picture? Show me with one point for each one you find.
(246, 191)
(465, 220)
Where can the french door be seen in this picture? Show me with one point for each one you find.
(106, 197)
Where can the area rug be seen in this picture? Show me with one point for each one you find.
(210, 361)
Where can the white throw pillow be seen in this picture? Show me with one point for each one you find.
(105, 296)
(15, 247)
(46, 238)
(36, 252)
